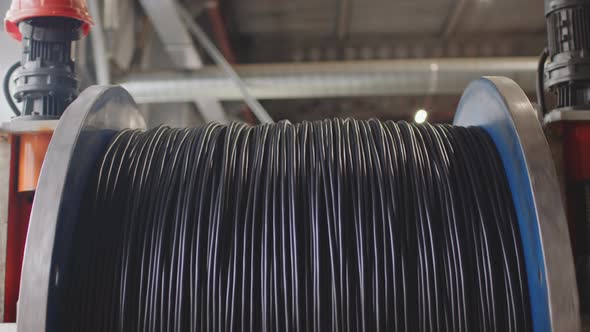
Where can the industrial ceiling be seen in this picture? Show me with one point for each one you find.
(506, 34)
(352, 30)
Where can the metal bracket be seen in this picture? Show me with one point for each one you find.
(571, 115)
(19, 126)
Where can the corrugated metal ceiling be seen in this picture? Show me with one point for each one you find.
(504, 16)
(319, 30)
(399, 17)
(407, 17)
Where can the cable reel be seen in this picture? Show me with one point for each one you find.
(492, 110)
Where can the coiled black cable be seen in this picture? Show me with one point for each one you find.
(338, 225)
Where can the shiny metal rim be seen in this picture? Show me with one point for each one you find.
(500, 106)
(78, 141)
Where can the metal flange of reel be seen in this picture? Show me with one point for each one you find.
(500, 106)
(78, 142)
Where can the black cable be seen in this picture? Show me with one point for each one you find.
(338, 225)
(541, 81)
(6, 88)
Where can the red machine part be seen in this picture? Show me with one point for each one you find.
(27, 152)
(32, 150)
(575, 142)
(19, 210)
(25, 9)
(576, 146)
(577, 150)
(576, 157)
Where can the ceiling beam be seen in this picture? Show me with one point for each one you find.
(180, 47)
(343, 19)
(173, 33)
(450, 27)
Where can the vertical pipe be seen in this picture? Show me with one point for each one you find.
(99, 52)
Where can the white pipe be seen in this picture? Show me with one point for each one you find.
(331, 79)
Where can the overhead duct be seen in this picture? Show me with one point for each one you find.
(330, 79)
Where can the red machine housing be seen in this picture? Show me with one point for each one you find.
(576, 147)
(25, 9)
(28, 149)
